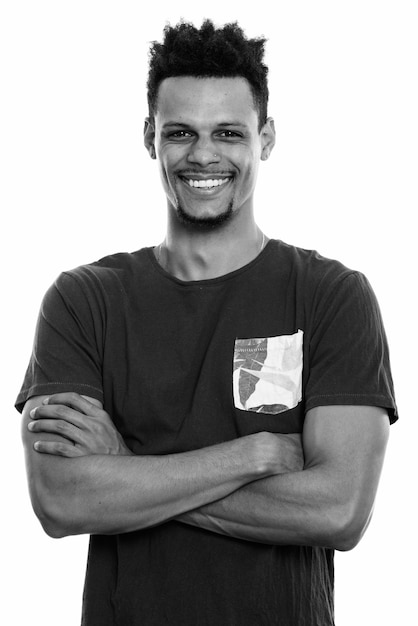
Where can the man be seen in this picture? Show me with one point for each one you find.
(214, 411)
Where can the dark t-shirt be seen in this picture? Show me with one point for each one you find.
(182, 365)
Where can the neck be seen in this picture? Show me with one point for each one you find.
(196, 254)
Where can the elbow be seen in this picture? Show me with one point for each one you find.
(52, 524)
(54, 515)
(348, 528)
(58, 526)
(53, 530)
(346, 542)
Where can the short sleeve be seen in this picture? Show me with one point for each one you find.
(348, 351)
(66, 354)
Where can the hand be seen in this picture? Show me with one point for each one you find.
(85, 428)
(291, 457)
(278, 453)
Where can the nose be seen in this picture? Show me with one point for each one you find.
(203, 152)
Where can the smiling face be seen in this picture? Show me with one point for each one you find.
(207, 141)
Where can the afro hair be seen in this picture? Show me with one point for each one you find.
(208, 52)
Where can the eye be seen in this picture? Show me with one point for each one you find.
(230, 134)
(180, 134)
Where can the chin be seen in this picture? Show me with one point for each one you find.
(204, 221)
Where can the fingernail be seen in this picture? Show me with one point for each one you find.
(45, 401)
(31, 425)
(32, 413)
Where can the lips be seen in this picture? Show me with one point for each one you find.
(208, 183)
(205, 183)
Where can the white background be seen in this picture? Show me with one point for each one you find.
(77, 184)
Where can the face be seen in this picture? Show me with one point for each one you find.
(208, 145)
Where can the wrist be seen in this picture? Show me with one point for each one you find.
(259, 453)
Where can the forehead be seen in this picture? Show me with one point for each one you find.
(187, 99)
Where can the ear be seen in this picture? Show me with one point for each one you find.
(268, 138)
(149, 137)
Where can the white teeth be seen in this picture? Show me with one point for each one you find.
(207, 183)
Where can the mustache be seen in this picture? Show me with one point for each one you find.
(205, 172)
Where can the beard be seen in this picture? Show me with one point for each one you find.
(205, 222)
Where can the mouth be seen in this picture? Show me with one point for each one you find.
(206, 184)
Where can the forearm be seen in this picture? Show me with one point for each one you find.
(297, 508)
(83, 479)
(328, 503)
(107, 494)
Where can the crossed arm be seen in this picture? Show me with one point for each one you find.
(83, 479)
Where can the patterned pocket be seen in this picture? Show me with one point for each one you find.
(267, 374)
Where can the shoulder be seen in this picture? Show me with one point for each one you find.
(319, 281)
(111, 266)
(99, 283)
(112, 271)
(317, 271)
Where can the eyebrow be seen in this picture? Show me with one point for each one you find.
(236, 124)
(175, 125)
(220, 125)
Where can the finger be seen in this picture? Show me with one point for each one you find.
(57, 448)
(58, 412)
(73, 400)
(58, 427)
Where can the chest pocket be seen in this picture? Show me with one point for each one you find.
(267, 373)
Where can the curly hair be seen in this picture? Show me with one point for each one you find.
(209, 52)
